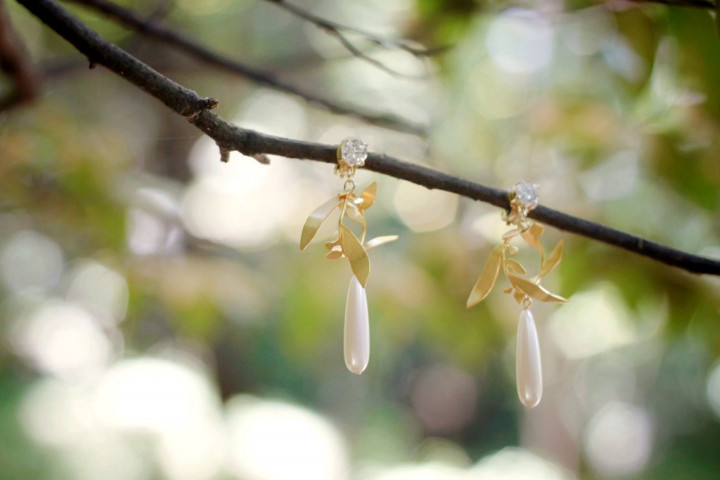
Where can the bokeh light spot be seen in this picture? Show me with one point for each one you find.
(31, 263)
(618, 440)
(520, 41)
(63, 339)
(271, 440)
(424, 210)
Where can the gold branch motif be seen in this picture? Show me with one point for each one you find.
(523, 289)
(344, 243)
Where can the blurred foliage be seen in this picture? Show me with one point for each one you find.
(613, 109)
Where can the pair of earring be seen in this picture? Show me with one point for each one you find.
(523, 197)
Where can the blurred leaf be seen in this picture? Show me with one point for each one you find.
(695, 34)
(693, 174)
(641, 34)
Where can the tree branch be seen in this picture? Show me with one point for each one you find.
(681, 3)
(338, 31)
(251, 143)
(14, 61)
(328, 25)
(184, 43)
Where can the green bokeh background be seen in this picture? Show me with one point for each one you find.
(619, 124)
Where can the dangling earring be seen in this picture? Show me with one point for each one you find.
(351, 155)
(528, 369)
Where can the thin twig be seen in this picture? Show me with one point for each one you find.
(251, 143)
(356, 52)
(14, 60)
(681, 3)
(338, 31)
(326, 24)
(186, 44)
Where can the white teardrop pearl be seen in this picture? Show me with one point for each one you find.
(528, 368)
(357, 328)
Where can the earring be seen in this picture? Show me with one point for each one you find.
(351, 155)
(528, 369)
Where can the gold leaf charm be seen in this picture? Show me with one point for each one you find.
(377, 241)
(532, 236)
(514, 265)
(335, 254)
(356, 254)
(344, 243)
(534, 290)
(367, 197)
(315, 221)
(552, 260)
(523, 198)
(487, 279)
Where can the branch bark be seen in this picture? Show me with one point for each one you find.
(184, 43)
(230, 137)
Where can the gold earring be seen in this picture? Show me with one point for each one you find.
(351, 155)
(528, 368)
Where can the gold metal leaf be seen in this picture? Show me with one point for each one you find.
(334, 242)
(355, 214)
(487, 278)
(508, 290)
(532, 235)
(511, 249)
(514, 265)
(356, 254)
(367, 197)
(315, 220)
(519, 296)
(533, 290)
(335, 253)
(511, 233)
(377, 241)
(552, 261)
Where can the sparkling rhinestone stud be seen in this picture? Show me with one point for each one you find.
(352, 152)
(526, 194)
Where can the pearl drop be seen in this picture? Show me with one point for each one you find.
(528, 368)
(357, 328)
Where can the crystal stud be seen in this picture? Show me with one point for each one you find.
(353, 152)
(527, 194)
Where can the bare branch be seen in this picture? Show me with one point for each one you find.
(367, 58)
(251, 143)
(186, 44)
(681, 3)
(338, 31)
(15, 61)
(328, 25)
